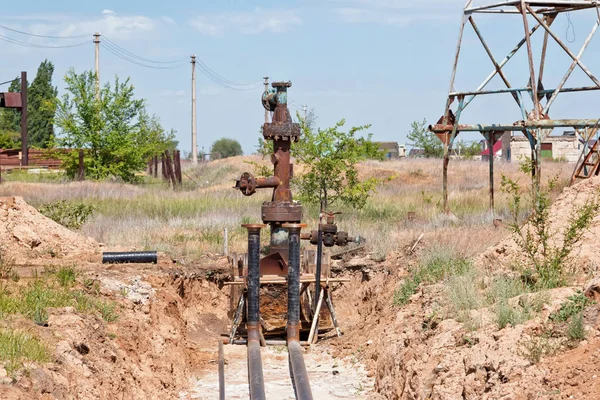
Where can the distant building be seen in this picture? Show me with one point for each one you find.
(500, 150)
(416, 153)
(565, 147)
(392, 150)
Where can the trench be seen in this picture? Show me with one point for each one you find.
(203, 307)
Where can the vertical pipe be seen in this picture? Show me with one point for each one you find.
(319, 263)
(296, 359)
(255, 369)
(221, 372)
(194, 124)
(293, 322)
(447, 149)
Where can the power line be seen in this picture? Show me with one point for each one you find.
(227, 81)
(38, 46)
(11, 81)
(221, 82)
(132, 55)
(42, 36)
(109, 47)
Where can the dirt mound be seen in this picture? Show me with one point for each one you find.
(508, 252)
(25, 234)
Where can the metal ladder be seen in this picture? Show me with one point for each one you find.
(588, 164)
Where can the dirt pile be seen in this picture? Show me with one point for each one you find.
(151, 350)
(25, 234)
(508, 252)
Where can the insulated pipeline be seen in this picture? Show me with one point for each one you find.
(140, 257)
(299, 374)
(255, 368)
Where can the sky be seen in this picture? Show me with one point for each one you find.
(385, 63)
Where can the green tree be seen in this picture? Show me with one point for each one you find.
(419, 137)
(113, 129)
(224, 148)
(468, 150)
(10, 119)
(41, 106)
(329, 157)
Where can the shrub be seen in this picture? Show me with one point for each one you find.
(70, 215)
(547, 250)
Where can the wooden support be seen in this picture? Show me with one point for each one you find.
(237, 319)
(315, 322)
(332, 312)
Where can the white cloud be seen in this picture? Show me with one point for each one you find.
(107, 22)
(247, 23)
(396, 12)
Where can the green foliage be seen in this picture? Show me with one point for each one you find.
(9, 139)
(439, 263)
(501, 290)
(574, 305)
(329, 157)
(469, 150)
(34, 299)
(420, 138)
(115, 131)
(68, 214)
(42, 106)
(225, 148)
(547, 250)
(17, 347)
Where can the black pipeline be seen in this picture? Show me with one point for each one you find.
(138, 257)
(255, 368)
(299, 374)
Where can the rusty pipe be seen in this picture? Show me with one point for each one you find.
(296, 358)
(255, 368)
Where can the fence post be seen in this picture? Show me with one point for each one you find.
(155, 160)
(177, 161)
(81, 171)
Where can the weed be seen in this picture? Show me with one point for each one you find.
(16, 347)
(111, 335)
(576, 328)
(66, 276)
(107, 311)
(437, 264)
(534, 348)
(499, 293)
(408, 287)
(69, 214)
(574, 304)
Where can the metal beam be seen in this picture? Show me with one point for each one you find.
(519, 126)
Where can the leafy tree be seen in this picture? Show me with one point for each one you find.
(224, 148)
(115, 131)
(41, 106)
(329, 157)
(9, 139)
(10, 119)
(468, 150)
(420, 137)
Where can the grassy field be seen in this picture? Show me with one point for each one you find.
(189, 222)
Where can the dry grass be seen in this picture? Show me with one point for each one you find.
(190, 222)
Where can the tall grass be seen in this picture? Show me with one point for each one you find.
(188, 222)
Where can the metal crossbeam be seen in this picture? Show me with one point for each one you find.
(535, 124)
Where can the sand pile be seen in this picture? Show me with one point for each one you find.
(585, 255)
(26, 234)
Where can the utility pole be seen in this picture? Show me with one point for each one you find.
(97, 63)
(194, 128)
(24, 149)
(266, 78)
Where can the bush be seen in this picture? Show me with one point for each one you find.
(538, 241)
(70, 215)
(576, 328)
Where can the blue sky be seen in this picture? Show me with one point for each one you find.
(380, 62)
